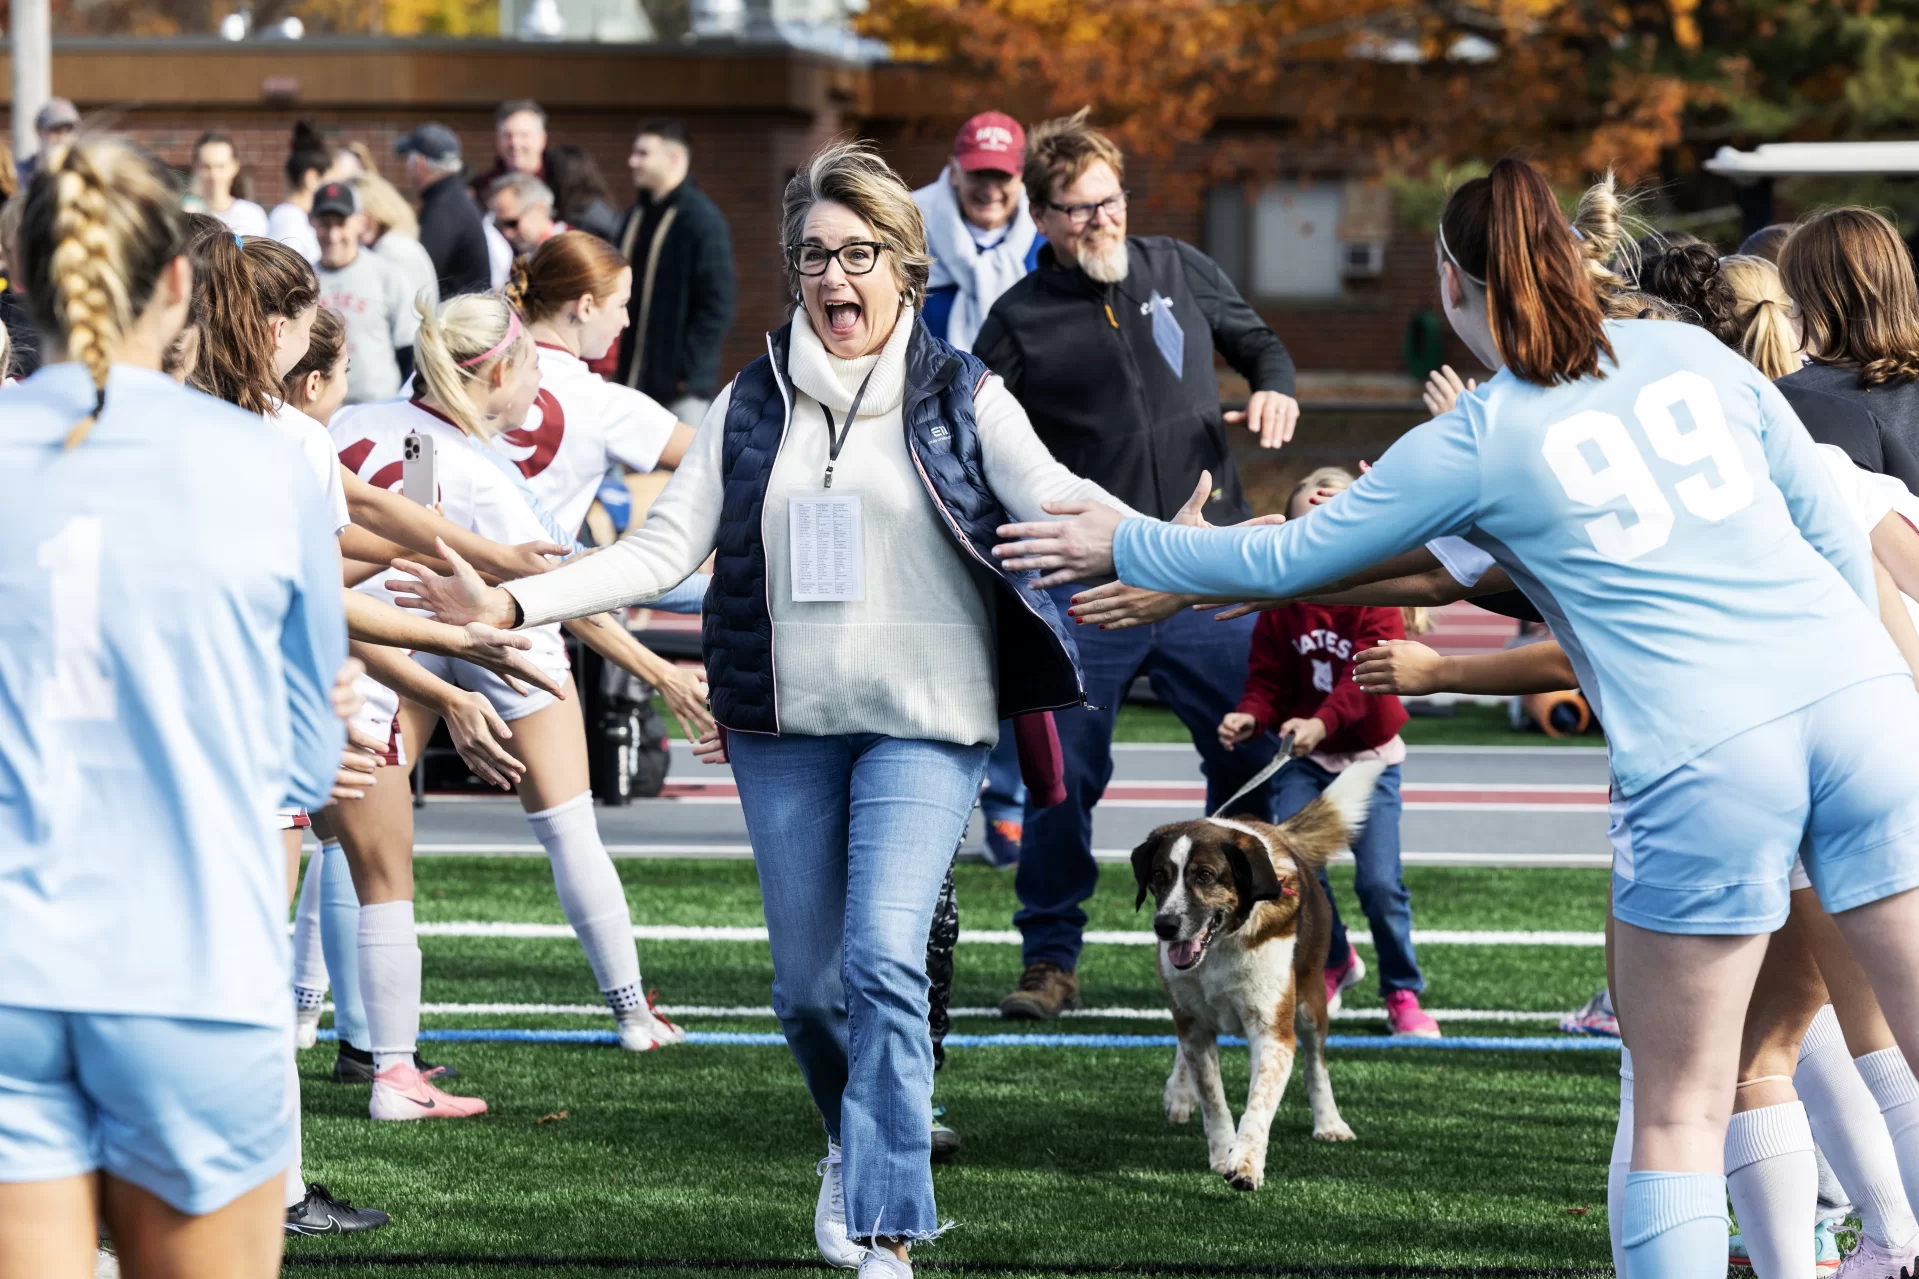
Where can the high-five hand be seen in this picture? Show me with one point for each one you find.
(455, 599)
(1271, 415)
(1078, 548)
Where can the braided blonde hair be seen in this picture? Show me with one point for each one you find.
(101, 223)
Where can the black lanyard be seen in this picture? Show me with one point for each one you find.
(836, 436)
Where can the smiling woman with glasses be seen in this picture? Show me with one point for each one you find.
(850, 481)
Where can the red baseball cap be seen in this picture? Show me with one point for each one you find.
(991, 140)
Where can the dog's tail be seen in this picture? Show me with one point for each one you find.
(1330, 823)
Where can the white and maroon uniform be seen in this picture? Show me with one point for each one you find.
(473, 492)
(579, 424)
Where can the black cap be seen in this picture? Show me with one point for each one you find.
(336, 198)
(433, 141)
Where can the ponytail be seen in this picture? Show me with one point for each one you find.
(1763, 314)
(562, 271)
(1505, 233)
(283, 280)
(458, 346)
(236, 347)
(100, 225)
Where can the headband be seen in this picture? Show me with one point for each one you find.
(1457, 266)
(512, 332)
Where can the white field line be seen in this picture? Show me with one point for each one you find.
(997, 937)
(1518, 861)
(1094, 1014)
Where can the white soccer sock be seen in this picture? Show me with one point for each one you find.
(1773, 1178)
(593, 899)
(390, 981)
(309, 960)
(1893, 1087)
(296, 1187)
(1620, 1164)
(1846, 1124)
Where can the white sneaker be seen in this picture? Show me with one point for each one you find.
(306, 1028)
(1871, 1261)
(644, 1029)
(829, 1217)
(881, 1264)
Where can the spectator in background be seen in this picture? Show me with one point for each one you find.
(291, 221)
(978, 226)
(522, 209)
(449, 224)
(371, 297)
(53, 124)
(393, 233)
(579, 193)
(1766, 242)
(682, 256)
(1109, 347)
(216, 167)
(519, 143)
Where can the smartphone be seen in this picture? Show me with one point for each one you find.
(417, 473)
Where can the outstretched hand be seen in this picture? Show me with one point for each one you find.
(456, 598)
(1270, 415)
(1069, 550)
(505, 654)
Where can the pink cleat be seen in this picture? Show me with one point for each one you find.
(400, 1093)
(1405, 1017)
(1343, 978)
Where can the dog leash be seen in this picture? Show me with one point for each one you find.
(1263, 776)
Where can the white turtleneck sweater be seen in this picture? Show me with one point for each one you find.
(914, 658)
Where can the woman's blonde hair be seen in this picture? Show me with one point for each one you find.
(853, 174)
(100, 224)
(1762, 310)
(447, 353)
(384, 206)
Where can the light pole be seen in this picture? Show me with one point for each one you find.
(32, 40)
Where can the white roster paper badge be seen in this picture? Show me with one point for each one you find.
(824, 535)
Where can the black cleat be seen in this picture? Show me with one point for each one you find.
(946, 1142)
(355, 1067)
(321, 1214)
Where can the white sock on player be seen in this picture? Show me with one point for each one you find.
(296, 1187)
(1897, 1092)
(390, 981)
(309, 960)
(1847, 1125)
(594, 900)
(1773, 1178)
(1621, 1163)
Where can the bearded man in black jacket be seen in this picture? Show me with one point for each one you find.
(1109, 347)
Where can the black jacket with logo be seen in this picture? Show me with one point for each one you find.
(1081, 357)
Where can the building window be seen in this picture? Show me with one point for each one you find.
(1282, 241)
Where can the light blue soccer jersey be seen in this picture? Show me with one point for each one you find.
(170, 628)
(1672, 522)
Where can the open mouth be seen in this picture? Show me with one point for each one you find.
(842, 318)
(1184, 954)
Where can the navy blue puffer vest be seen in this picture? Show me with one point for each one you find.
(1038, 666)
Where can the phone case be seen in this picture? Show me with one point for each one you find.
(417, 473)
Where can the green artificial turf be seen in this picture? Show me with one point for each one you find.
(1470, 724)
(699, 1160)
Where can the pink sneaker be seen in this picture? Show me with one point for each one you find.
(1343, 978)
(400, 1092)
(1404, 1016)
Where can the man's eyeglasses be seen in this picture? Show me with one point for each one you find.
(857, 257)
(1080, 214)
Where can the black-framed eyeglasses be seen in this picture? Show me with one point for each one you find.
(1080, 214)
(857, 257)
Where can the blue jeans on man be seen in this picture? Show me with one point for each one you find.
(1197, 666)
(1382, 895)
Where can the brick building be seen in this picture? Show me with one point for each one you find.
(1319, 250)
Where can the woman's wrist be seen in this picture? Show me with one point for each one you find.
(504, 609)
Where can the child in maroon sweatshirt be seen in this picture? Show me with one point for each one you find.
(1300, 681)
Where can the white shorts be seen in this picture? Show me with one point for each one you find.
(380, 717)
(292, 819)
(548, 653)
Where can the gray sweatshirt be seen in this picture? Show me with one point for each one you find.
(372, 297)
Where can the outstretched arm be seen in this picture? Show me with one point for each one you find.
(413, 526)
(684, 689)
(1410, 669)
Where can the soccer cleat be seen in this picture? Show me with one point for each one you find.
(401, 1093)
(878, 1263)
(1825, 1251)
(1405, 1017)
(1596, 1018)
(644, 1029)
(321, 1214)
(306, 1027)
(1871, 1261)
(946, 1142)
(829, 1215)
(1343, 978)
(1003, 839)
(355, 1067)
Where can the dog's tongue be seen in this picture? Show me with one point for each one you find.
(1184, 954)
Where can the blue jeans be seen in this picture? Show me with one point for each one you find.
(1198, 667)
(1388, 906)
(1004, 799)
(852, 836)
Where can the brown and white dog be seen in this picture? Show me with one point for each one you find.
(1243, 927)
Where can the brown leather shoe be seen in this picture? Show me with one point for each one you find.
(1045, 991)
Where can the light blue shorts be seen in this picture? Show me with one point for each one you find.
(1709, 847)
(197, 1112)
